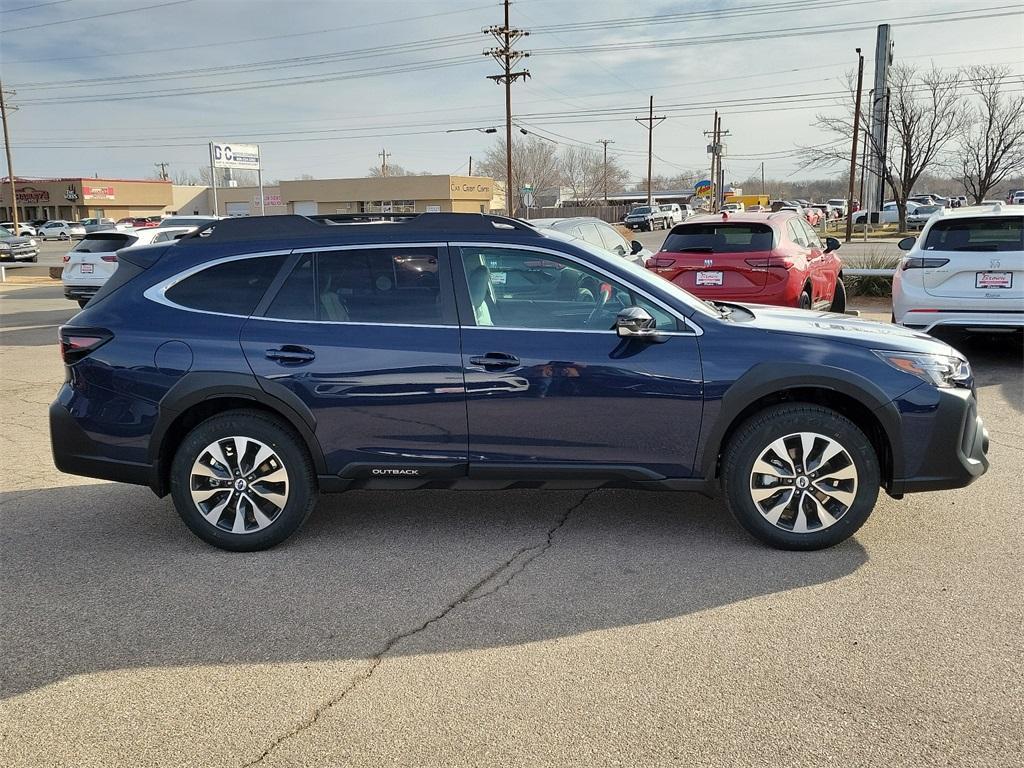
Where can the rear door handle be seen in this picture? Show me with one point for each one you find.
(291, 354)
(495, 360)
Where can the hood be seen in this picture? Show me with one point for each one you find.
(15, 241)
(847, 328)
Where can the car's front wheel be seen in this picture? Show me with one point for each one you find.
(243, 481)
(63, 236)
(800, 476)
(839, 296)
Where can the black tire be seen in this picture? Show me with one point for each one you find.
(839, 297)
(64, 236)
(273, 433)
(805, 300)
(82, 303)
(754, 437)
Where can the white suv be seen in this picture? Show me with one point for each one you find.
(90, 264)
(965, 270)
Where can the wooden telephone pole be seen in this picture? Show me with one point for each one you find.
(649, 123)
(507, 57)
(605, 142)
(10, 166)
(853, 150)
(384, 155)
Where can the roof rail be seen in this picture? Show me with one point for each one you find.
(293, 225)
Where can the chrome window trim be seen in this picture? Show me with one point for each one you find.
(696, 329)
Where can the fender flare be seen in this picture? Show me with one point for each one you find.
(772, 378)
(194, 388)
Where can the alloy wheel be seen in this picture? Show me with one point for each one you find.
(239, 484)
(803, 482)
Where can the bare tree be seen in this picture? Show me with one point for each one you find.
(534, 162)
(395, 170)
(992, 141)
(582, 170)
(926, 112)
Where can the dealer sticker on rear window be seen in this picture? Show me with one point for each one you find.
(498, 278)
(994, 280)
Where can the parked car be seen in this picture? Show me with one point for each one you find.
(965, 270)
(278, 357)
(839, 203)
(773, 258)
(733, 207)
(94, 259)
(15, 248)
(649, 217)
(888, 215)
(598, 233)
(1018, 199)
(920, 216)
(690, 210)
(61, 230)
(97, 225)
(187, 221)
(24, 230)
(675, 212)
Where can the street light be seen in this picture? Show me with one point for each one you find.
(528, 133)
(482, 130)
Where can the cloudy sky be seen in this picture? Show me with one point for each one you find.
(110, 87)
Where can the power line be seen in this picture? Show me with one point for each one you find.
(95, 16)
(33, 7)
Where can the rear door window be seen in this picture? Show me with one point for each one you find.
(104, 242)
(231, 287)
(985, 234)
(719, 238)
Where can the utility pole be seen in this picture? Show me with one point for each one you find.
(716, 149)
(383, 155)
(10, 167)
(763, 193)
(606, 142)
(853, 150)
(649, 123)
(470, 165)
(507, 58)
(163, 170)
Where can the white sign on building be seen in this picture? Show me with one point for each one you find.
(240, 156)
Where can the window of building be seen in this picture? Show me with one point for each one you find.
(512, 288)
(388, 206)
(232, 287)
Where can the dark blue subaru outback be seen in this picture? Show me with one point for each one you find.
(261, 361)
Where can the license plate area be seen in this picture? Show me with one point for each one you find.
(85, 269)
(989, 280)
(709, 278)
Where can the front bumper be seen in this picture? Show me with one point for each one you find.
(20, 254)
(640, 223)
(952, 453)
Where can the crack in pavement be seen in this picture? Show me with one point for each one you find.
(485, 587)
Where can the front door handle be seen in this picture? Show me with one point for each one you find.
(495, 360)
(291, 354)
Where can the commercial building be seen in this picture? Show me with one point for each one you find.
(78, 198)
(379, 194)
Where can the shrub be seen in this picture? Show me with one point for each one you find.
(863, 285)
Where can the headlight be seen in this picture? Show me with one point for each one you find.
(32, 241)
(937, 370)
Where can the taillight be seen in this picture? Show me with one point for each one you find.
(918, 262)
(77, 343)
(67, 258)
(770, 261)
(109, 257)
(661, 262)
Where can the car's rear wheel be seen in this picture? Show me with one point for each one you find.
(839, 296)
(800, 476)
(63, 236)
(243, 481)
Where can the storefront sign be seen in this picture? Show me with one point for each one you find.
(703, 188)
(29, 195)
(98, 193)
(71, 194)
(244, 156)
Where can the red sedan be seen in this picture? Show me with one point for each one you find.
(761, 258)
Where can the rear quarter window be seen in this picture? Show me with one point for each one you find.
(232, 287)
(994, 233)
(720, 238)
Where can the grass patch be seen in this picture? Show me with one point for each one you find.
(863, 285)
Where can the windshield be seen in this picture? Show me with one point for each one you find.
(644, 278)
(641, 209)
(927, 209)
(5, 233)
(996, 233)
(104, 242)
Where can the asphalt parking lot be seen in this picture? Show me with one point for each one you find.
(512, 628)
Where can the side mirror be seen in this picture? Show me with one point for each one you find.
(637, 246)
(832, 244)
(906, 243)
(637, 323)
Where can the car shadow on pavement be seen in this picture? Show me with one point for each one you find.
(997, 359)
(105, 577)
